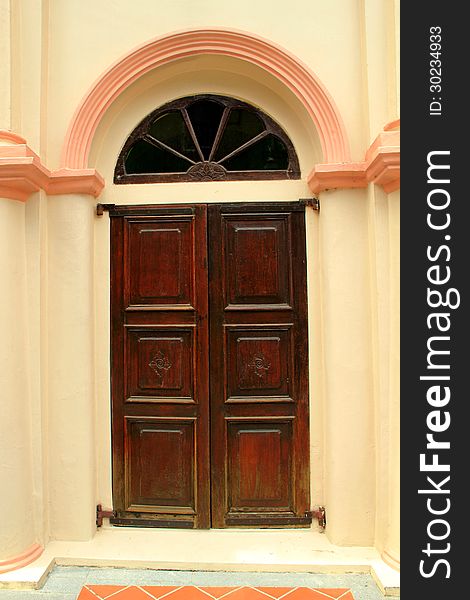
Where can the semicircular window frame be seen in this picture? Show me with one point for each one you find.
(207, 168)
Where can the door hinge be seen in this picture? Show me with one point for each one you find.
(100, 208)
(101, 514)
(312, 202)
(318, 513)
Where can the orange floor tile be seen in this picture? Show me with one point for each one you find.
(134, 592)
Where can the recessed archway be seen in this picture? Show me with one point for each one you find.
(296, 76)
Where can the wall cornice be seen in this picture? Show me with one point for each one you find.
(22, 173)
(380, 166)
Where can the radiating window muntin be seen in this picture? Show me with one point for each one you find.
(206, 138)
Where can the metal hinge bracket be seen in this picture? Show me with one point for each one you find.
(100, 208)
(101, 514)
(318, 513)
(312, 202)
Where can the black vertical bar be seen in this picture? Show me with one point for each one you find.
(434, 256)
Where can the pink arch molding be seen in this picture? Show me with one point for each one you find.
(296, 76)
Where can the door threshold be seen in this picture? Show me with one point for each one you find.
(207, 550)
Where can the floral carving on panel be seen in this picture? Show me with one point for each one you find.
(160, 363)
(259, 365)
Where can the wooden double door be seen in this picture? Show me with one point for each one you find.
(209, 365)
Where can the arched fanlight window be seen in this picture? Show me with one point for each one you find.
(206, 138)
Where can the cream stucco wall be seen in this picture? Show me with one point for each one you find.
(5, 67)
(71, 403)
(55, 251)
(15, 450)
(349, 440)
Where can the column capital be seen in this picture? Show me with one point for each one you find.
(22, 173)
(381, 166)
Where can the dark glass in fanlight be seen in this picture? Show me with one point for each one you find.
(267, 154)
(205, 116)
(144, 157)
(242, 125)
(171, 129)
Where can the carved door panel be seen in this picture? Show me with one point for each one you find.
(258, 365)
(160, 396)
(244, 460)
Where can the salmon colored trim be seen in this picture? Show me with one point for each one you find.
(392, 125)
(386, 141)
(381, 166)
(22, 173)
(288, 69)
(384, 170)
(383, 161)
(75, 181)
(23, 559)
(337, 175)
(8, 136)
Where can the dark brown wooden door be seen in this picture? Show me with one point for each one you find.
(253, 468)
(160, 395)
(258, 372)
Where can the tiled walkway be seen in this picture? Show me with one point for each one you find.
(65, 583)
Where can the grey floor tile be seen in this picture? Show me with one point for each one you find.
(66, 580)
(64, 583)
(65, 570)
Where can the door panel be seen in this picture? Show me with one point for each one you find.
(258, 365)
(169, 354)
(160, 393)
(249, 487)
(164, 280)
(256, 270)
(171, 485)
